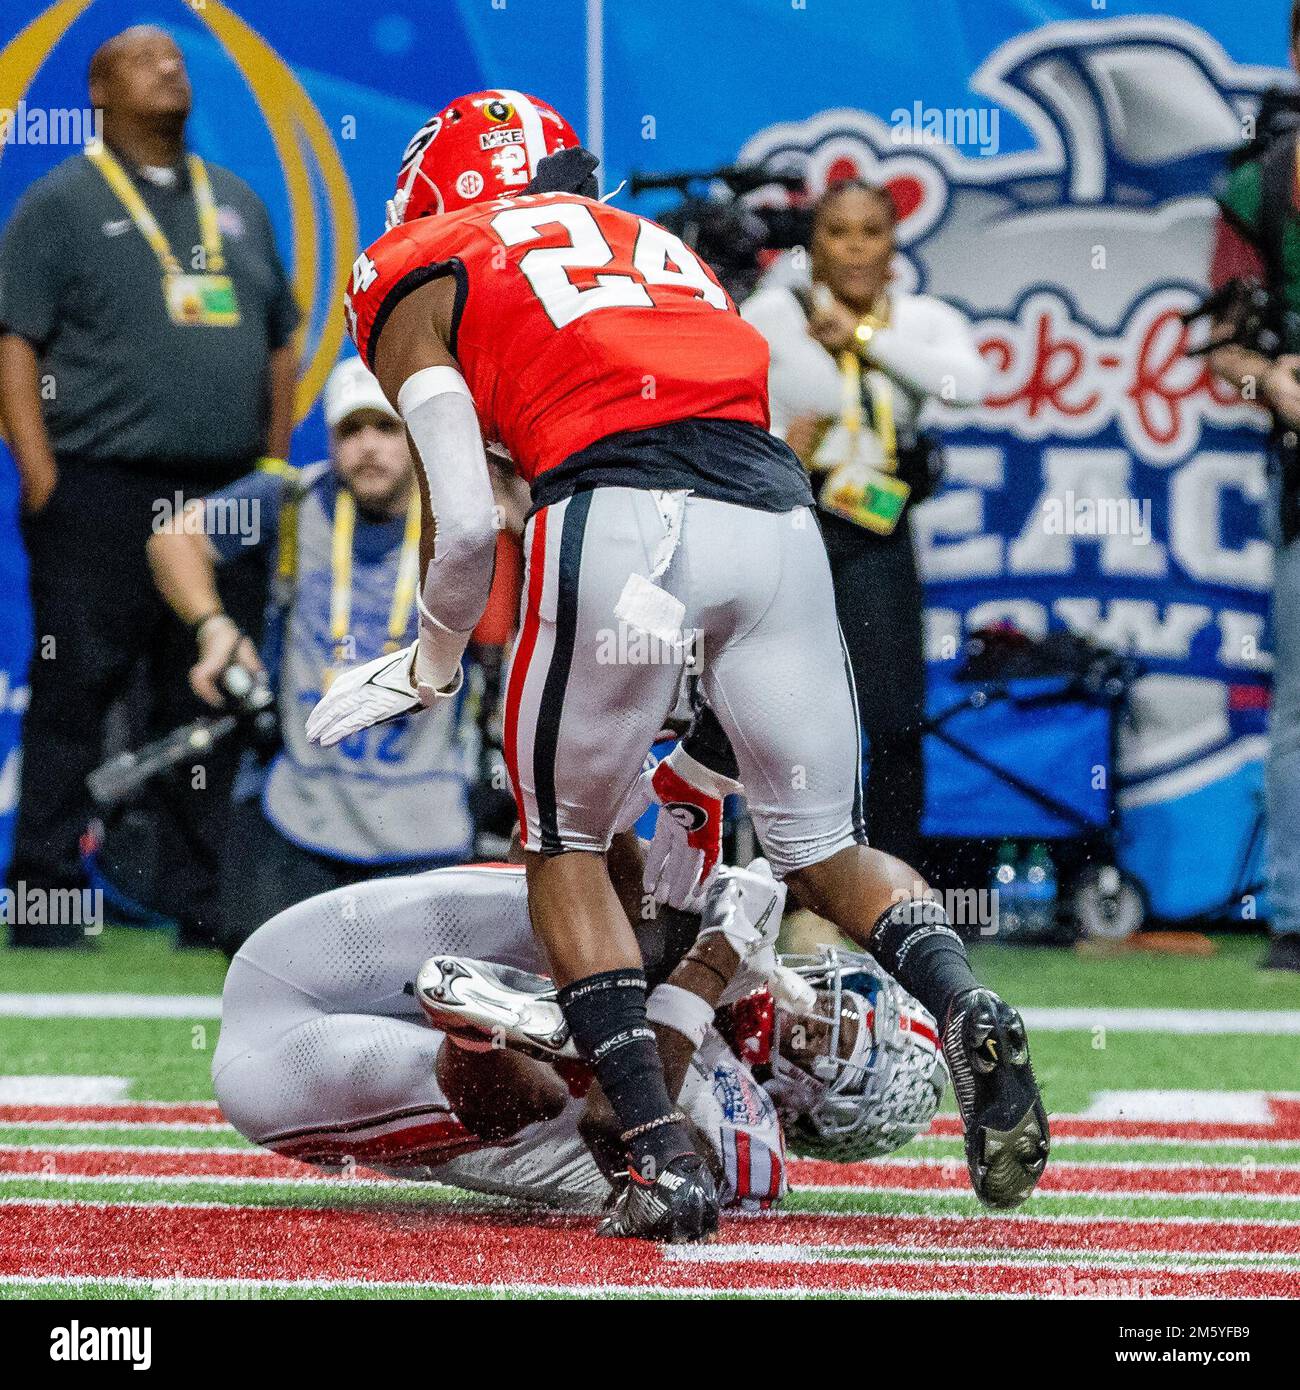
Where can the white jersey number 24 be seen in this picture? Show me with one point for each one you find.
(659, 258)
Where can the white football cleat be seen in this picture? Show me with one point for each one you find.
(495, 1003)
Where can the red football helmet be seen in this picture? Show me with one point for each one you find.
(485, 145)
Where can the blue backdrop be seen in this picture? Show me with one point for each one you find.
(1053, 162)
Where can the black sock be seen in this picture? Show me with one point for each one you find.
(914, 942)
(607, 1015)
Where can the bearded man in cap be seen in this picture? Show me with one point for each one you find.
(340, 540)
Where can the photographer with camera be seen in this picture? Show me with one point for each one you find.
(853, 363)
(1257, 255)
(341, 541)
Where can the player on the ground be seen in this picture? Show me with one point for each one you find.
(506, 302)
(329, 1056)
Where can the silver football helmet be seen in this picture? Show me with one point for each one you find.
(861, 1075)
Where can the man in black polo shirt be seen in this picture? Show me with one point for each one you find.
(146, 351)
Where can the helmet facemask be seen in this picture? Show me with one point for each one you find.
(853, 1080)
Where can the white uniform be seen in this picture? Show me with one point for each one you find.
(927, 353)
(324, 1056)
(588, 692)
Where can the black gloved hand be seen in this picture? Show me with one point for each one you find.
(566, 171)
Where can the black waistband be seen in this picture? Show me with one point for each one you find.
(723, 460)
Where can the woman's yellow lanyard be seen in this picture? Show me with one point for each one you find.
(870, 497)
(408, 572)
(194, 299)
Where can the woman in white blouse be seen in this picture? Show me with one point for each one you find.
(853, 363)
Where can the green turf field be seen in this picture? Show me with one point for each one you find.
(124, 1199)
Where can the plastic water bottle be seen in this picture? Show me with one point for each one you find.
(1038, 894)
(1009, 887)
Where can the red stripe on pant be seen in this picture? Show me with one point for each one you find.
(519, 666)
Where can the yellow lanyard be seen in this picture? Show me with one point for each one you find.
(147, 224)
(852, 375)
(408, 569)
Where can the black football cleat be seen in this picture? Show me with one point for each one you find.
(679, 1207)
(1283, 954)
(1007, 1135)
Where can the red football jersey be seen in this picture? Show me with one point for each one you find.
(574, 321)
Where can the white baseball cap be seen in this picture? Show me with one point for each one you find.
(352, 387)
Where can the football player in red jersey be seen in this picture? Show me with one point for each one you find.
(669, 527)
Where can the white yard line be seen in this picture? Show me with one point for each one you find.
(170, 1126)
(345, 1185)
(1272, 1022)
(1161, 1261)
(1187, 1107)
(1108, 1194)
(63, 1090)
(477, 1202)
(110, 1006)
(884, 1164)
(228, 1288)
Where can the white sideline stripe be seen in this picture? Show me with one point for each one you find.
(344, 1185)
(1195, 1107)
(1248, 1145)
(185, 1150)
(524, 1290)
(181, 1126)
(477, 1202)
(1059, 1141)
(220, 1180)
(62, 1090)
(893, 1161)
(1108, 1194)
(110, 1006)
(1132, 1261)
(1120, 1141)
(1080, 1165)
(1273, 1022)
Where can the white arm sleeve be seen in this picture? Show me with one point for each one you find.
(436, 405)
(929, 350)
(803, 378)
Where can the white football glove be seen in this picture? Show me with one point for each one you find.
(746, 906)
(370, 694)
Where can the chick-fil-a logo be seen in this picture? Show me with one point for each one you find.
(1074, 258)
(1054, 376)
